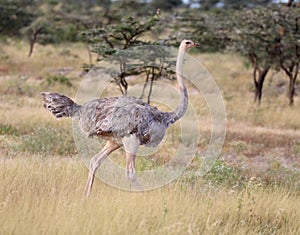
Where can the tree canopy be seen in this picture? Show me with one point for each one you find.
(264, 33)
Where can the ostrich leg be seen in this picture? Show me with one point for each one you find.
(131, 145)
(130, 166)
(130, 170)
(96, 161)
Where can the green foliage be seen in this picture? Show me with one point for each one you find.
(60, 79)
(48, 29)
(297, 148)
(252, 33)
(289, 37)
(202, 28)
(67, 33)
(221, 174)
(231, 4)
(286, 51)
(235, 177)
(208, 4)
(166, 5)
(108, 40)
(48, 141)
(269, 38)
(224, 174)
(6, 129)
(114, 38)
(14, 16)
(87, 67)
(239, 146)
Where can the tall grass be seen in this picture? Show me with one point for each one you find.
(44, 59)
(45, 197)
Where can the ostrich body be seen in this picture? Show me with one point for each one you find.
(122, 121)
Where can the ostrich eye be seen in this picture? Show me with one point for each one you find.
(187, 43)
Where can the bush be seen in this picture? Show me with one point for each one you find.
(8, 130)
(61, 79)
(224, 174)
(47, 140)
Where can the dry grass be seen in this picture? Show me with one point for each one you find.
(44, 60)
(45, 197)
(236, 84)
(254, 189)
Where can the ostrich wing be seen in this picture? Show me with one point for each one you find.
(122, 116)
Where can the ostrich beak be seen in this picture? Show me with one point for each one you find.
(196, 44)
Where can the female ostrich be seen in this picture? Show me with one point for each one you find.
(122, 121)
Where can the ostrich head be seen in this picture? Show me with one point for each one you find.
(185, 45)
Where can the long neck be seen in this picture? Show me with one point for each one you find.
(183, 102)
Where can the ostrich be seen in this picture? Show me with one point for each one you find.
(122, 121)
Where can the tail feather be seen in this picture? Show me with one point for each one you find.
(59, 105)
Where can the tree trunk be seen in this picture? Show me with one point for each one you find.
(89, 53)
(151, 85)
(290, 3)
(31, 43)
(259, 82)
(146, 83)
(33, 40)
(258, 94)
(292, 73)
(291, 91)
(123, 81)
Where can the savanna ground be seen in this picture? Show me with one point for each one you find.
(252, 189)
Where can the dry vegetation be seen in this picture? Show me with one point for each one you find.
(252, 189)
(45, 197)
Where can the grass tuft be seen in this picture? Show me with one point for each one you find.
(7, 129)
(48, 141)
(60, 79)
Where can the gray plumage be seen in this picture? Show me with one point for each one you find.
(59, 105)
(113, 118)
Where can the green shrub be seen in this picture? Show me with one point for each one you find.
(49, 141)
(60, 79)
(297, 148)
(224, 174)
(6, 129)
(239, 146)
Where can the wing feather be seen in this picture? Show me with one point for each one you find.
(121, 116)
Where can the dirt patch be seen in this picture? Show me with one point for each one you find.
(261, 148)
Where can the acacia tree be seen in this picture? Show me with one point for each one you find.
(254, 35)
(114, 38)
(38, 31)
(155, 63)
(269, 38)
(46, 29)
(287, 53)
